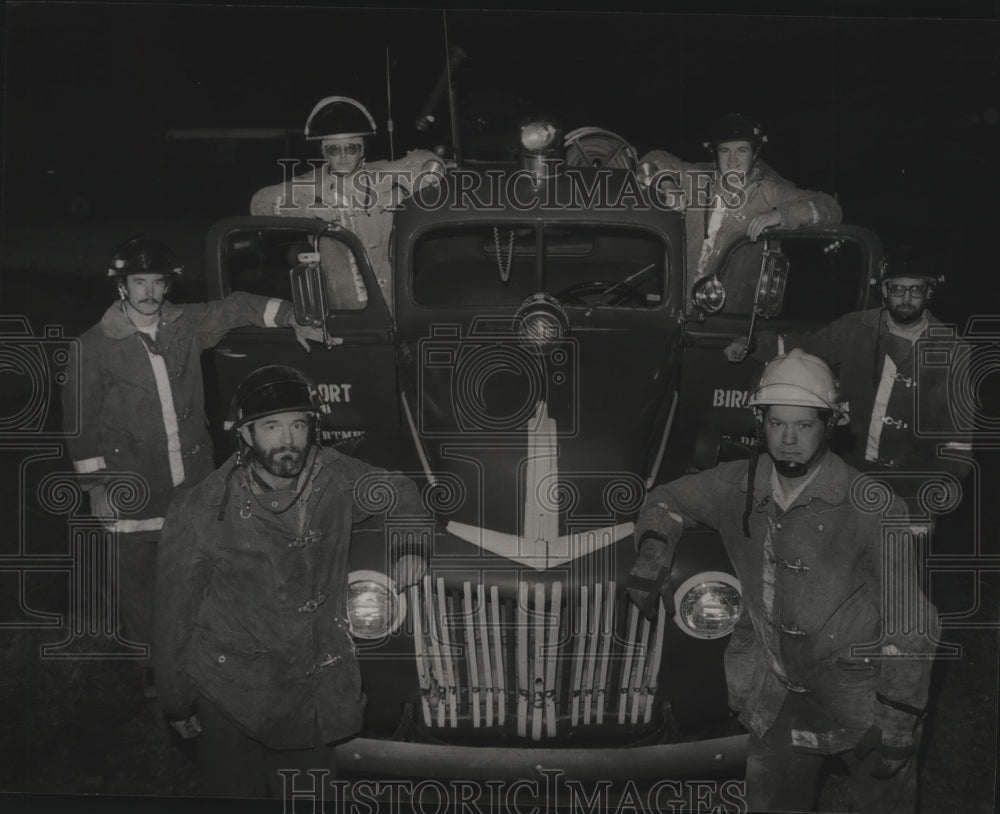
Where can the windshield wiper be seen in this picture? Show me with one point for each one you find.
(626, 281)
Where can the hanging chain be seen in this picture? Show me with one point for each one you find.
(504, 266)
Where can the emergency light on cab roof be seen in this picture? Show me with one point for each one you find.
(434, 168)
(541, 148)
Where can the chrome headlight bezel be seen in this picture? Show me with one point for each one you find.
(381, 584)
(695, 587)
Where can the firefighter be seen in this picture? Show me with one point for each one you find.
(737, 195)
(346, 190)
(833, 650)
(138, 400)
(253, 642)
(875, 354)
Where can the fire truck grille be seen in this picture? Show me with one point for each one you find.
(536, 665)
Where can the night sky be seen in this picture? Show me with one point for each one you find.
(898, 116)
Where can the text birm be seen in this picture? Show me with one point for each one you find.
(730, 398)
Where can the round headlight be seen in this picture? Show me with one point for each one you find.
(374, 608)
(708, 605)
(541, 136)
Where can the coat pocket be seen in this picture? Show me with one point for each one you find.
(237, 677)
(846, 690)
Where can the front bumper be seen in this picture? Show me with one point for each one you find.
(396, 758)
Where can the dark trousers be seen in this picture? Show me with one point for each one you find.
(781, 777)
(135, 588)
(232, 764)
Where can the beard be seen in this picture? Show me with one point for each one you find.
(906, 314)
(283, 462)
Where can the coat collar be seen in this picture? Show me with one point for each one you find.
(214, 486)
(874, 317)
(116, 325)
(831, 484)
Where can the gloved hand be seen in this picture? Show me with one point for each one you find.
(100, 506)
(649, 578)
(889, 760)
(737, 349)
(187, 728)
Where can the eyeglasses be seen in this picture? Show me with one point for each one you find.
(331, 150)
(898, 289)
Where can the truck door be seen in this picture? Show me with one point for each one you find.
(356, 376)
(829, 273)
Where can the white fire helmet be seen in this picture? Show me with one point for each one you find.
(798, 379)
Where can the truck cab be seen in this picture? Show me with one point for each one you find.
(542, 370)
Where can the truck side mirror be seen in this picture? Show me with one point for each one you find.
(770, 294)
(309, 291)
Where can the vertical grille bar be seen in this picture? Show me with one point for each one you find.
(537, 672)
(633, 625)
(521, 632)
(453, 620)
(484, 651)
(653, 668)
(607, 628)
(588, 689)
(640, 669)
(418, 643)
(551, 658)
(449, 666)
(497, 656)
(470, 652)
(438, 679)
(579, 652)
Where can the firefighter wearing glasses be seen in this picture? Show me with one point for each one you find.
(825, 660)
(253, 642)
(346, 189)
(876, 355)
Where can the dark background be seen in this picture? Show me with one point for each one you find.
(898, 117)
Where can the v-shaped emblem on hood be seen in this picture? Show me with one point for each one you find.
(539, 545)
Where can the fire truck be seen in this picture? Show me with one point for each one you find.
(542, 368)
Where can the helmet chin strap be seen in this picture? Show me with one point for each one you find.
(798, 469)
(790, 469)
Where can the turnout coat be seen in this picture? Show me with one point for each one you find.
(765, 191)
(849, 619)
(251, 609)
(140, 404)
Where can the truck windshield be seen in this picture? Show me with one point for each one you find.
(502, 264)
